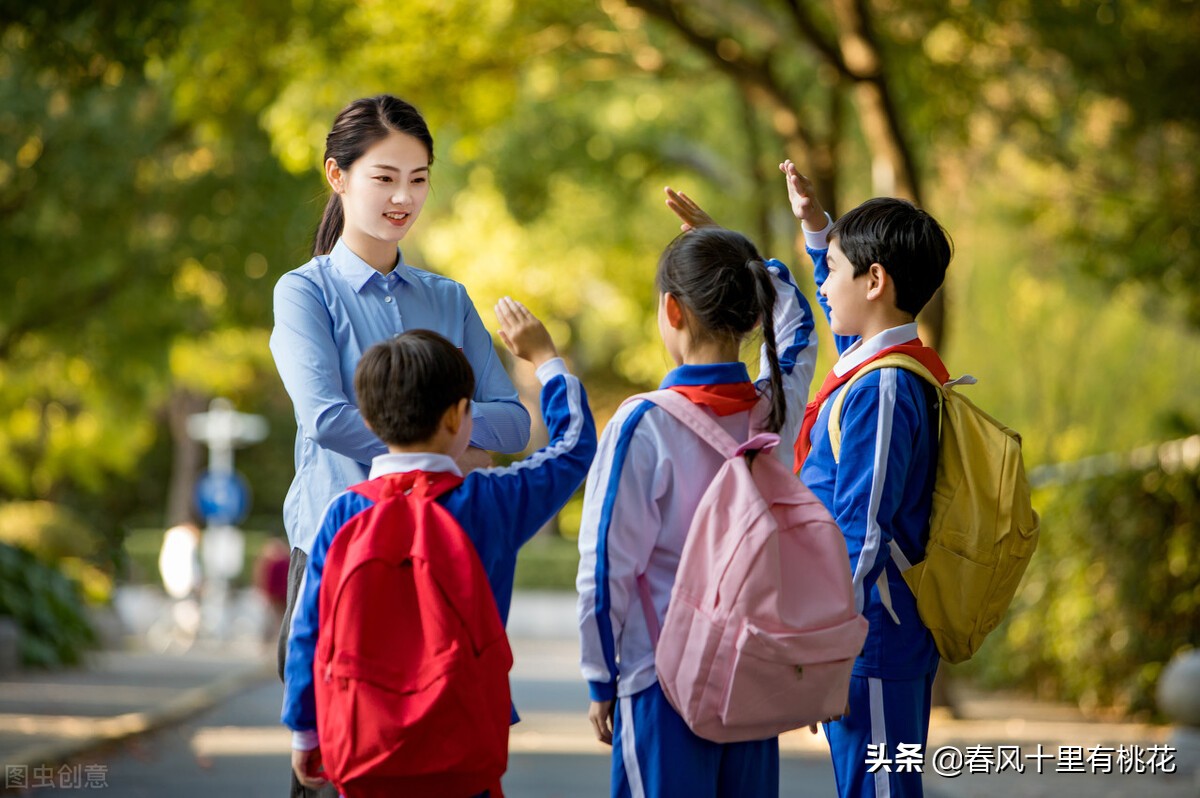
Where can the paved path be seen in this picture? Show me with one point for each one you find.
(206, 723)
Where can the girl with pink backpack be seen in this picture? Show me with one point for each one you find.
(650, 474)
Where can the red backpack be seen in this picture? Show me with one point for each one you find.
(412, 662)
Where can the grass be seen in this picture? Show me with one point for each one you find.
(548, 562)
(142, 547)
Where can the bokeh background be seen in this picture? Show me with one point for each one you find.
(160, 169)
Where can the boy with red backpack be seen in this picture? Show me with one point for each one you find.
(875, 269)
(396, 680)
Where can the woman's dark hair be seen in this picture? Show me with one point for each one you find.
(720, 277)
(405, 385)
(905, 240)
(359, 125)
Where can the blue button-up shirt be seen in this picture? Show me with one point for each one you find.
(327, 313)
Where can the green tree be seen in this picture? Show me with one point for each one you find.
(130, 230)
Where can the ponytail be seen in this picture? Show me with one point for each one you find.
(764, 290)
(330, 228)
(723, 280)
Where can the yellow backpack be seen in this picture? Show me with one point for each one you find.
(982, 528)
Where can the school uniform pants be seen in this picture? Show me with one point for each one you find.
(884, 713)
(655, 755)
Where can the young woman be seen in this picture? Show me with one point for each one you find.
(358, 290)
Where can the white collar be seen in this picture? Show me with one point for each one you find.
(400, 462)
(862, 351)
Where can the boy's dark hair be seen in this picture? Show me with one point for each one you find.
(908, 242)
(405, 385)
(719, 275)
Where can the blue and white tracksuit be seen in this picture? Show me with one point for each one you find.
(649, 475)
(881, 491)
(499, 509)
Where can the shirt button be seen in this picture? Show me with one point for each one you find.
(387, 299)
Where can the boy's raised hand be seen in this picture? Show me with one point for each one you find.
(805, 205)
(686, 209)
(523, 334)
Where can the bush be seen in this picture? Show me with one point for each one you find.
(48, 530)
(48, 608)
(60, 539)
(1112, 593)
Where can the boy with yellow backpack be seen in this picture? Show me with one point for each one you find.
(912, 473)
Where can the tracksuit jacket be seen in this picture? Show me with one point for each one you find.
(642, 492)
(881, 490)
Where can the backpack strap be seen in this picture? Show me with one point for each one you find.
(709, 431)
(894, 360)
(420, 485)
(885, 590)
(699, 422)
(900, 361)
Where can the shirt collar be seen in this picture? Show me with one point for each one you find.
(400, 462)
(706, 374)
(357, 271)
(862, 351)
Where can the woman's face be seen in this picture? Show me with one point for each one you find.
(383, 191)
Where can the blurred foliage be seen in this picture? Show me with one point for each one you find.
(60, 539)
(1112, 594)
(547, 562)
(1087, 110)
(1076, 367)
(49, 531)
(131, 233)
(47, 607)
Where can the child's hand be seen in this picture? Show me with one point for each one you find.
(805, 205)
(523, 334)
(685, 208)
(812, 727)
(308, 768)
(600, 713)
(474, 458)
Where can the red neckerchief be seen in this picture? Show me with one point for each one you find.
(915, 349)
(724, 399)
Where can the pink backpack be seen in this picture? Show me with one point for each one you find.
(761, 632)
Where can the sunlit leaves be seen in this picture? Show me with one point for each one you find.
(1112, 593)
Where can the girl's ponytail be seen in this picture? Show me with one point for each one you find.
(330, 227)
(764, 290)
(723, 280)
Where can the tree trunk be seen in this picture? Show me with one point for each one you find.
(893, 171)
(855, 57)
(187, 457)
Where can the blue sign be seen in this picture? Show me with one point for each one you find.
(222, 498)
